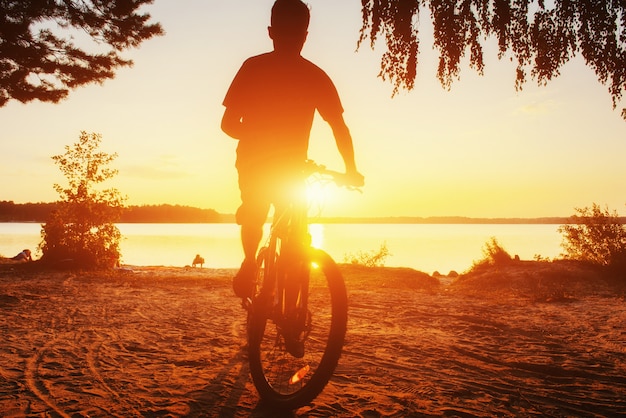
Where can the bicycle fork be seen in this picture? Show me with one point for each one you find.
(293, 317)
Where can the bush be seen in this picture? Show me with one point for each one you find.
(82, 228)
(494, 255)
(370, 258)
(595, 235)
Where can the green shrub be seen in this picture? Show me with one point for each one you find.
(595, 235)
(82, 229)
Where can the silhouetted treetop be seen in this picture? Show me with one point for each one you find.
(39, 59)
(540, 36)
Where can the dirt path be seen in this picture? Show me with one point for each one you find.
(170, 342)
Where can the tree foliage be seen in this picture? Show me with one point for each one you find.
(39, 57)
(539, 36)
(595, 235)
(82, 227)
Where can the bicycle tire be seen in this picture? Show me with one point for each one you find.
(272, 368)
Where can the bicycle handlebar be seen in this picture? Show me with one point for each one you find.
(341, 179)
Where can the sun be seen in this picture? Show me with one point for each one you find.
(318, 192)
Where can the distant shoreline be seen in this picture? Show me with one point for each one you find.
(448, 220)
(166, 213)
(454, 220)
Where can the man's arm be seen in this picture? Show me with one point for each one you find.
(343, 139)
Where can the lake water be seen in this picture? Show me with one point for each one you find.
(424, 247)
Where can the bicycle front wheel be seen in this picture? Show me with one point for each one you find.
(289, 381)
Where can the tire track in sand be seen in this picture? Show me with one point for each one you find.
(36, 385)
(92, 358)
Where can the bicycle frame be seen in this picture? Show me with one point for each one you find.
(288, 243)
(285, 281)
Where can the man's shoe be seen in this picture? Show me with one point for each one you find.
(294, 346)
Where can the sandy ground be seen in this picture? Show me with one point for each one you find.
(532, 340)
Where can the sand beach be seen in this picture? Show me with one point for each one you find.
(532, 339)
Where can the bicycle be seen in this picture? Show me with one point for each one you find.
(297, 318)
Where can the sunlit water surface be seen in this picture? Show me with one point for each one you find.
(425, 247)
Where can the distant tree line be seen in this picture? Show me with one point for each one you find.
(447, 220)
(25, 212)
(169, 214)
(165, 213)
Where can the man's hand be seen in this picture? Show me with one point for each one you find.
(355, 179)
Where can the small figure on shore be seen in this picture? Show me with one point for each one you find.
(198, 260)
(25, 255)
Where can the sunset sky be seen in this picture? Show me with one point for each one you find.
(479, 150)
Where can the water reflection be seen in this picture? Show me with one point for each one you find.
(425, 247)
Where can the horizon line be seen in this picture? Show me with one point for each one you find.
(391, 219)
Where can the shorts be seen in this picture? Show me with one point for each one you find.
(261, 189)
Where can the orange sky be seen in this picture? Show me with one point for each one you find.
(480, 150)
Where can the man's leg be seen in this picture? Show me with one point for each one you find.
(243, 284)
(251, 215)
(250, 238)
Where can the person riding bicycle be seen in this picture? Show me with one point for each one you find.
(269, 108)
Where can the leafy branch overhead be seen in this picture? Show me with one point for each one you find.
(538, 36)
(39, 56)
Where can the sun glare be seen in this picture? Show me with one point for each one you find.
(317, 235)
(317, 193)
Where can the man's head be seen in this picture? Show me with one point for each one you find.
(289, 24)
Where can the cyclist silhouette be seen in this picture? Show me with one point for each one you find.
(269, 108)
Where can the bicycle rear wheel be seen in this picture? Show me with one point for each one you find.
(281, 379)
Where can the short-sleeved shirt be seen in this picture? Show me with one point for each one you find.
(277, 97)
